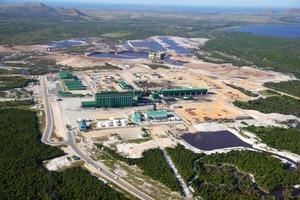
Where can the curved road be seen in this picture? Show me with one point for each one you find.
(103, 171)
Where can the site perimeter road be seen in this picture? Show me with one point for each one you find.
(103, 171)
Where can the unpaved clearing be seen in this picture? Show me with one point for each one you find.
(208, 110)
(59, 163)
(59, 129)
(228, 72)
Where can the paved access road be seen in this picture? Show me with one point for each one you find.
(103, 171)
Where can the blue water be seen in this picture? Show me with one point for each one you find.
(65, 43)
(125, 55)
(134, 55)
(282, 31)
(151, 45)
(173, 45)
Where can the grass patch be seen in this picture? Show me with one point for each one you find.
(269, 93)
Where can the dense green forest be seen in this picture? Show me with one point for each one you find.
(21, 165)
(212, 182)
(184, 161)
(224, 182)
(279, 138)
(273, 104)
(10, 82)
(243, 90)
(269, 172)
(278, 54)
(153, 164)
(289, 87)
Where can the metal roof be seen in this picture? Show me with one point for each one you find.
(185, 90)
(156, 113)
(66, 75)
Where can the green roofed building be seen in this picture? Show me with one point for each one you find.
(154, 95)
(113, 99)
(184, 92)
(156, 115)
(124, 85)
(136, 117)
(66, 75)
(71, 82)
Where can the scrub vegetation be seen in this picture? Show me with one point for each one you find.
(16, 103)
(242, 49)
(153, 165)
(278, 138)
(226, 176)
(102, 67)
(289, 87)
(11, 82)
(273, 104)
(269, 172)
(22, 173)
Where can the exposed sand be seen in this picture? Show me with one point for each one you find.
(22, 48)
(58, 123)
(58, 163)
(213, 110)
(247, 73)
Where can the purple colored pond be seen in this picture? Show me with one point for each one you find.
(214, 140)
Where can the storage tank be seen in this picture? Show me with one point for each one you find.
(124, 122)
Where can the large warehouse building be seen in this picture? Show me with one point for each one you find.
(112, 99)
(184, 92)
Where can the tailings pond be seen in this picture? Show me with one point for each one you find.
(123, 55)
(172, 45)
(67, 43)
(214, 140)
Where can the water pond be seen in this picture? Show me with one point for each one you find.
(214, 140)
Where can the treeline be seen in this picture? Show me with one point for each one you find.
(16, 103)
(289, 87)
(10, 82)
(22, 173)
(8, 72)
(278, 54)
(184, 161)
(153, 165)
(269, 172)
(278, 138)
(102, 67)
(243, 90)
(273, 104)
